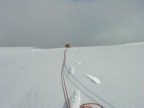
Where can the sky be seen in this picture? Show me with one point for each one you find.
(52, 23)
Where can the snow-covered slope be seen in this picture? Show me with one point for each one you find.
(109, 75)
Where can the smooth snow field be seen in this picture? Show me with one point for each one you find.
(113, 76)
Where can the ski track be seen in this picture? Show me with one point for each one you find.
(41, 91)
(68, 68)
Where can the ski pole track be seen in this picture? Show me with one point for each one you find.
(64, 87)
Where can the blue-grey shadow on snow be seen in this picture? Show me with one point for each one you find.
(65, 106)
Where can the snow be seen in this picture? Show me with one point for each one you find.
(69, 69)
(93, 79)
(75, 100)
(139, 43)
(30, 77)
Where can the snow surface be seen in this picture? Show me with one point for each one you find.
(30, 77)
(75, 100)
(93, 79)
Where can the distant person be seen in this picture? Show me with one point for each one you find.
(67, 45)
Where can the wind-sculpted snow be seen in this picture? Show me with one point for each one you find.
(93, 79)
(30, 78)
(75, 100)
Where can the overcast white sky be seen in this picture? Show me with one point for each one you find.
(52, 23)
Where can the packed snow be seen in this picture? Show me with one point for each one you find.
(69, 69)
(109, 75)
(75, 100)
(93, 79)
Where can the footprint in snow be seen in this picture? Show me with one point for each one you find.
(75, 100)
(93, 79)
(69, 69)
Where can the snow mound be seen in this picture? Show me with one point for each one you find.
(93, 79)
(75, 100)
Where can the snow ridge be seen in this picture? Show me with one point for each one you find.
(93, 79)
(75, 100)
